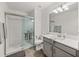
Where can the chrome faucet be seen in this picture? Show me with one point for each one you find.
(61, 35)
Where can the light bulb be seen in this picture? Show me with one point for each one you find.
(55, 11)
(60, 9)
(65, 7)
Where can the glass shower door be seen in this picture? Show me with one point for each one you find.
(28, 32)
(13, 34)
(19, 33)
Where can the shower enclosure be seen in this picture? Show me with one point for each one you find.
(19, 33)
(28, 32)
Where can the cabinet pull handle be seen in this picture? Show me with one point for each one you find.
(54, 50)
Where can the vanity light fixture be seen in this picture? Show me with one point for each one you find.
(65, 7)
(55, 11)
(60, 9)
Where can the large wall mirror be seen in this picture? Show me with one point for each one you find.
(0, 32)
(64, 19)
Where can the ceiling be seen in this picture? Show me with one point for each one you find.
(71, 7)
(27, 6)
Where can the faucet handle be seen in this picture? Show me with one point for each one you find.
(64, 36)
(59, 35)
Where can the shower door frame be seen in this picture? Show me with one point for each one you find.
(5, 30)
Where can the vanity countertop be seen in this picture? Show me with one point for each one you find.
(74, 43)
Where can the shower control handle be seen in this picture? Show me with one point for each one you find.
(36, 37)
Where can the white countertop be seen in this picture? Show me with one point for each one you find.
(74, 43)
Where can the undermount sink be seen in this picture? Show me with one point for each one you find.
(55, 36)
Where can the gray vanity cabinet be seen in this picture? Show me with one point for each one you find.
(59, 53)
(55, 49)
(52, 51)
(47, 49)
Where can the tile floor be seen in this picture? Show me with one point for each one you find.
(32, 53)
(28, 53)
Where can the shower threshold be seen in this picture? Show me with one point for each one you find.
(13, 50)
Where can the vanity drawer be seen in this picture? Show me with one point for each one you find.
(47, 49)
(48, 40)
(59, 53)
(66, 48)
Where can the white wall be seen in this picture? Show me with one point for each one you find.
(16, 12)
(45, 17)
(37, 16)
(45, 22)
(31, 13)
(2, 20)
(3, 8)
(78, 17)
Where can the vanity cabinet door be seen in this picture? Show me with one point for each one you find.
(66, 48)
(59, 53)
(47, 49)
